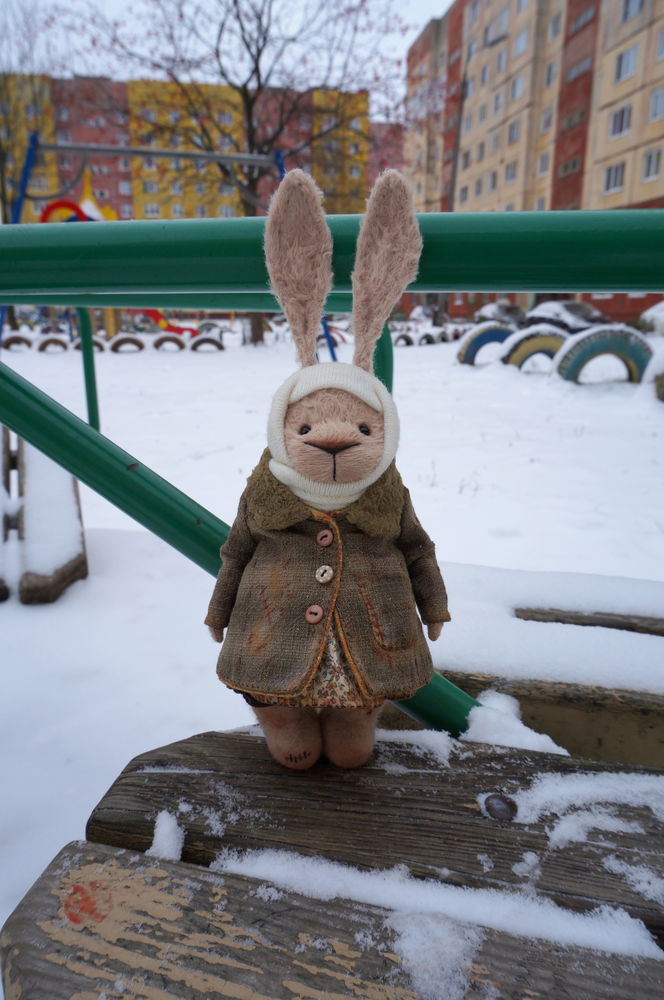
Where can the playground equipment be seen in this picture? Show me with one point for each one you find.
(620, 341)
(477, 338)
(525, 344)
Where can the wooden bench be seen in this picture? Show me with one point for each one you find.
(108, 920)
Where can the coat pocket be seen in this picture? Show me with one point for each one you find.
(390, 606)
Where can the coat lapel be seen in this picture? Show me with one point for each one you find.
(274, 507)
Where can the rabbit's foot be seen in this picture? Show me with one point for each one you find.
(292, 735)
(348, 735)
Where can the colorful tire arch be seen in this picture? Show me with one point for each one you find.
(540, 339)
(478, 337)
(620, 341)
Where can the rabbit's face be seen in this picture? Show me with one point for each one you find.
(332, 436)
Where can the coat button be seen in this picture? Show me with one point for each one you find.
(324, 574)
(325, 537)
(314, 614)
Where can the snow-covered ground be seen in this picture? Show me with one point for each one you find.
(523, 481)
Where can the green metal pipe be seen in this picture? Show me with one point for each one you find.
(164, 510)
(621, 250)
(337, 302)
(117, 475)
(89, 374)
(383, 360)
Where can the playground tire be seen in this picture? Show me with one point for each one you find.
(476, 338)
(628, 345)
(58, 342)
(403, 340)
(168, 339)
(520, 349)
(96, 343)
(206, 342)
(16, 340)
(119, 342)
(426, 338)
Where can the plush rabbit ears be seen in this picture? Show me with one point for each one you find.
(298, 253)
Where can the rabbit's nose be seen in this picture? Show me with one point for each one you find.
(331, 449)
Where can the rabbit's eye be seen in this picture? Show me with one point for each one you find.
(305, 428)
(363, 429)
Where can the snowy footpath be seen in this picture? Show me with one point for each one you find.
(536, 491)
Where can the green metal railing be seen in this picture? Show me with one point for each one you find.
(220, 265)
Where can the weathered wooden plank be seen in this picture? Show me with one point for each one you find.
(401, 809)
(603, 619)
(37, 585)
(103, 922)
(612, 724)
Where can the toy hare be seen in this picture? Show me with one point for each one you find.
(326, 561)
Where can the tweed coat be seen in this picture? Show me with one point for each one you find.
(288, 572)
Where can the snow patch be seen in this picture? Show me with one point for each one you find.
(168, 838)
(437, 953)
(603, 929)
(497, 720)
(558, 793)
(646, 882)
(426, 742)
(575, 827)
(51, 520)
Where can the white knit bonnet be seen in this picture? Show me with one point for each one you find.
(330, 375)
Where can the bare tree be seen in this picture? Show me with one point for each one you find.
(260, 76)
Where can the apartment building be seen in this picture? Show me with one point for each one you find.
(426, 101)
(164, 115)
(554, 104)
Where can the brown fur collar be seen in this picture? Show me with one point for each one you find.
(274, 507)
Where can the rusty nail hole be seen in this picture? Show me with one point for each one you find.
(132, 466)
(500, 806)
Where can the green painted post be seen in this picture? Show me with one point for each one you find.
(117, 475)
(88, 352)
(383, 363)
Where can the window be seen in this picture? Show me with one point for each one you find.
(543, 164)
(470, 86)
(354, 149)
(621, 121)
(572, 119)
(582, 19)
(200, 187)
(660, 44)
(482, 113)
(513, 132)
(493, 180)
(472, 49)
(63, 161)
(148, 116)
(546, 120)
(501, 61)
(124, 187)
(631, 8)
(125, 164)
(510, 171)
(517, 88)
(540, 204)
(174, 141)
(626, 63)
(509, 207)
(467, 123)
(578, 69)
(201, 212)
(554, 26)
(480, 152)
(478, 187)
(549, 74)
(101, 194)
(151, 210)
(614, 178)
(174, 117)
(177, 210)
(651, 164)
(474, 11)
(150, 187)
(40, 184)
(224, 118)
(521, 5)
(521, 43)
(495, 142)
(463, 194)
(125, 211)
(497, 101)
(63, 114)
(61, 135)
(177, 187)
(465, 160)
(484, 75)
(149, 163)
(354, 171)
(226, 211)
(569, 166)
(31, 110)
(656, 105)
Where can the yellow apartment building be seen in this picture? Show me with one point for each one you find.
(626, 134)
(25, 106)
(339, 162)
